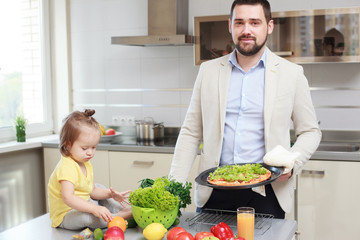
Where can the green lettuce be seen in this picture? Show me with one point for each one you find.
(235, 172)
(161, 193)
(155, 196)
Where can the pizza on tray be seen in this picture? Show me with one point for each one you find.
(239, 175)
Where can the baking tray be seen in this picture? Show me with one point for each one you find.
(205, 220)
(275, 174)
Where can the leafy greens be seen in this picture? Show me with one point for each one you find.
(161, 193)
(235, 172)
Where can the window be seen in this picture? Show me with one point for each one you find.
(24, 67)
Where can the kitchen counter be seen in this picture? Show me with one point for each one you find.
(39, 228)
(336, 156)
(318, 155)
(30, 143)
(121, 147)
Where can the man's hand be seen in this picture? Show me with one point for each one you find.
(285, 177)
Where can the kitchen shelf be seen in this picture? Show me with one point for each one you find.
(308, 36)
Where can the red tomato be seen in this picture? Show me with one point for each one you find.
(201, 235)
(184, 236)
(173, 232)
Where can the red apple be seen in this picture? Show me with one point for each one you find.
(202, 235)
(114, 233)
(110, 131)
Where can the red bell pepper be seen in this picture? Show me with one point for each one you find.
(222, 231)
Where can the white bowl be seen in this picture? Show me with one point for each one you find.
(109, 138)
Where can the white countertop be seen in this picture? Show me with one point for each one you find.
(318, 155)
(30, 143)
(39, 228)
(53, 141)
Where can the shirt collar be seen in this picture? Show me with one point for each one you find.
(234, 62)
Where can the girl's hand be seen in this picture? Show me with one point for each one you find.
(102, 212)
(122, 197)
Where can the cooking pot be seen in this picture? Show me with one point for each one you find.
(158, 134)
(144, 131)
(149, 133)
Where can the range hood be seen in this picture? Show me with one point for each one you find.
(167, 25)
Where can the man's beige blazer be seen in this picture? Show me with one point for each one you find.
(287, 101)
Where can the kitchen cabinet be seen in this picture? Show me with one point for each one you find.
(100, 164)
(328, 200)
(308, 36)
(128, 168)
(21, 198)
(51, 158)
(212, 37)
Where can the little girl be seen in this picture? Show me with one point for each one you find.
(75, 202)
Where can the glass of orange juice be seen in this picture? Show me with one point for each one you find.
(246, 222)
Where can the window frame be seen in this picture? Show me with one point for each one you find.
(46, 127)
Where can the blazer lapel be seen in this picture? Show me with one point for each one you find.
(223, 86)
(271, 81)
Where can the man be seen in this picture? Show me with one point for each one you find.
(241, 108)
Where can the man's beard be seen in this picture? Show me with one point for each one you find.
(255, 49)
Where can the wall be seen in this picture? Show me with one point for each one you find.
(135, 81)
(22, 195)
(157, 81)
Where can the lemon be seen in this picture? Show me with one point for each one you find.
(102, 129)
(154, 231)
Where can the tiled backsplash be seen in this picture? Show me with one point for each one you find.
(157, 81)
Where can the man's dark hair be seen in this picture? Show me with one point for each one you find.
(264, 3)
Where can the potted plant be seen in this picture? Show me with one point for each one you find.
(20, 125)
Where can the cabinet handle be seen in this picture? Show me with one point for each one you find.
(147, 163)
(314, 172)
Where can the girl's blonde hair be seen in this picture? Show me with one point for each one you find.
(70, 130)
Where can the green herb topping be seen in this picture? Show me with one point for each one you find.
(235, 172)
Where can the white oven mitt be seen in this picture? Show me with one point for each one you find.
(280, 157)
